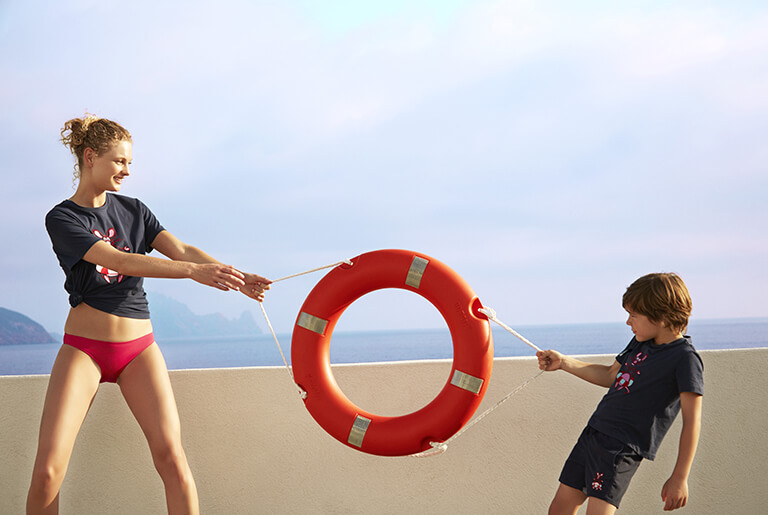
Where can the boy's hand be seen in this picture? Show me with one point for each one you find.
(550, 360)
(255, 286)
(674, 493)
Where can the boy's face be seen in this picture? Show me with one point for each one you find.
(643, 328)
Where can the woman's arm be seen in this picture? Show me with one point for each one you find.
(170, 246)
(675, 490)
(601, 375)
(214, 274)
(173, 248)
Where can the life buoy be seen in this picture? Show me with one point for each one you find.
(472, 353)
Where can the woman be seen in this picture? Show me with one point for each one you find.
(101, 240)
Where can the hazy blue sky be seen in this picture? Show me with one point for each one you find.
(549, 151)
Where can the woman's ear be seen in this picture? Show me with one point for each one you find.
(88, 155)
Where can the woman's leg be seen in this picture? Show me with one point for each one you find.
(147, 390)
(73, 384)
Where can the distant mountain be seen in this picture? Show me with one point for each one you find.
(173, 319)
(170, 319)
(16, 329)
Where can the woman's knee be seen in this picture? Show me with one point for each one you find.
(170, 460)
(47, 478)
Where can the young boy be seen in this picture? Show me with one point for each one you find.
(655, 377)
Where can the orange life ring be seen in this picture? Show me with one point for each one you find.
(472, 353)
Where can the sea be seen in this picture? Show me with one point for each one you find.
(402, 345)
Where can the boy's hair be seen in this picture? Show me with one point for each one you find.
(662, 297)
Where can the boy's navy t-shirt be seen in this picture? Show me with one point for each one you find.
(645, 398)
(123, 222)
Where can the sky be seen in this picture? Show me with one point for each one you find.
(550, 152)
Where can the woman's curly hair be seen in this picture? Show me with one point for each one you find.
(92, 132)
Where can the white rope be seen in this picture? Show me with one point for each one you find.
(345, 262)
(302, 393)
(491, 314)
(440, 447)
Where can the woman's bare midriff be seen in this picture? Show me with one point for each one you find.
(89, 322)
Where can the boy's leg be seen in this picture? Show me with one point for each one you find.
(597, 506)
(73, 384)
(146, 388)
(567, 501)
(599, 468)
(609, 468)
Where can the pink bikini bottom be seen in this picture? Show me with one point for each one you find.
(111, 357)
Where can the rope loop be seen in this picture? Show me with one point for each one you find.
(437, 449)
(491, 314)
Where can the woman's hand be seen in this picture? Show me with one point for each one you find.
(255, 286)
(216, 275)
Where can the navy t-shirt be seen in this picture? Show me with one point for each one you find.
(123, 222)
(645, 397)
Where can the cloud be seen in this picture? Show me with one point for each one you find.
(547, 145)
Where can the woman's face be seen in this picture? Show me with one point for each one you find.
(109, 168)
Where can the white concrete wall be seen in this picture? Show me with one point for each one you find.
(254, 448)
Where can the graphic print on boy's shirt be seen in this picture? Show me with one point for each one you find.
(626, 377)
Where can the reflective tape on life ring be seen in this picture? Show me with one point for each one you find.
(472, 353)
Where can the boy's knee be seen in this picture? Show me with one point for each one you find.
(559, 507)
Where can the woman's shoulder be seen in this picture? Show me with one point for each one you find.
(64, 209)
(126, 202)
(121, 199)
(64, 205)
(123, 207)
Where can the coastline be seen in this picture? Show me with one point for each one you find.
(401, 345)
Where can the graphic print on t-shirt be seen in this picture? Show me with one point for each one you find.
(106, 273)
(625, 378)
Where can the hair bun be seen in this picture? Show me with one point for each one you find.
(91, 131)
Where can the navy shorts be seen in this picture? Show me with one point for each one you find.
(600, 466)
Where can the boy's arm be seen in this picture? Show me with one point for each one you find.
(675, 490)
(601, 375)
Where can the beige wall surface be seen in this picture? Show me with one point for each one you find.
(254, 448)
